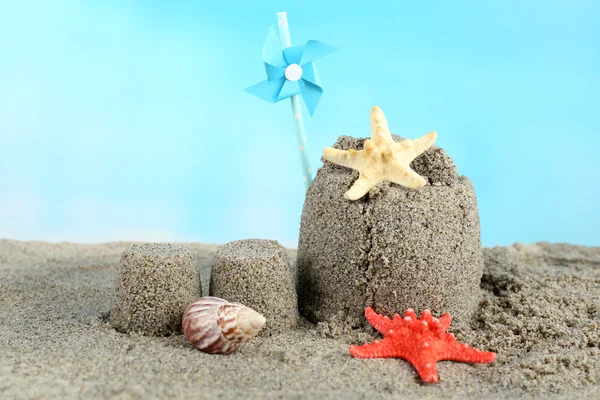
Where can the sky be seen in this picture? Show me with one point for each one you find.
(129, 120)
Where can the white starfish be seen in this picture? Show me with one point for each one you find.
(382, 158)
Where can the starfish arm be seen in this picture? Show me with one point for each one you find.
(414, 148)
(378, 349)
(345, 158)
(380, 132)
(380, 322)
(359, 188)
(445, 321)
(404, 176)
(425, 364)
(455, 351)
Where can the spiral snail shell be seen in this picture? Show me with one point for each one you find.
(217, 326)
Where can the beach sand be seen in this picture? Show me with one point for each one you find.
(392, 249)
(540, 313)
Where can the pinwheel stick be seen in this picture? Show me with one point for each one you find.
(284, 33)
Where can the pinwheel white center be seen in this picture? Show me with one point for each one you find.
(293, 72)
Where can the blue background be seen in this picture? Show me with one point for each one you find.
(128, 120)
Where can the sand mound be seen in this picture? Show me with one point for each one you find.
(393, 249)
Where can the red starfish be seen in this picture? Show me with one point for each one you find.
(422, 342)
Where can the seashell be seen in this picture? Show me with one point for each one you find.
(217, 326)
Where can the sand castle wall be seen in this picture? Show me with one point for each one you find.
(393, 249)
(257, 273)
(154, 283)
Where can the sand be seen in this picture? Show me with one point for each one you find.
(393, 249)
(539, 312)
(257, 274)
(154, 284)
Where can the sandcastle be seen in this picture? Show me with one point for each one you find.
(393, 249)
(364, 242)
(257, 273)
(400, 235)
(154, 284)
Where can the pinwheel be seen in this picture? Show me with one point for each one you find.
(291, 73)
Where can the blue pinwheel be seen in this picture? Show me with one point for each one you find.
(291, 73)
